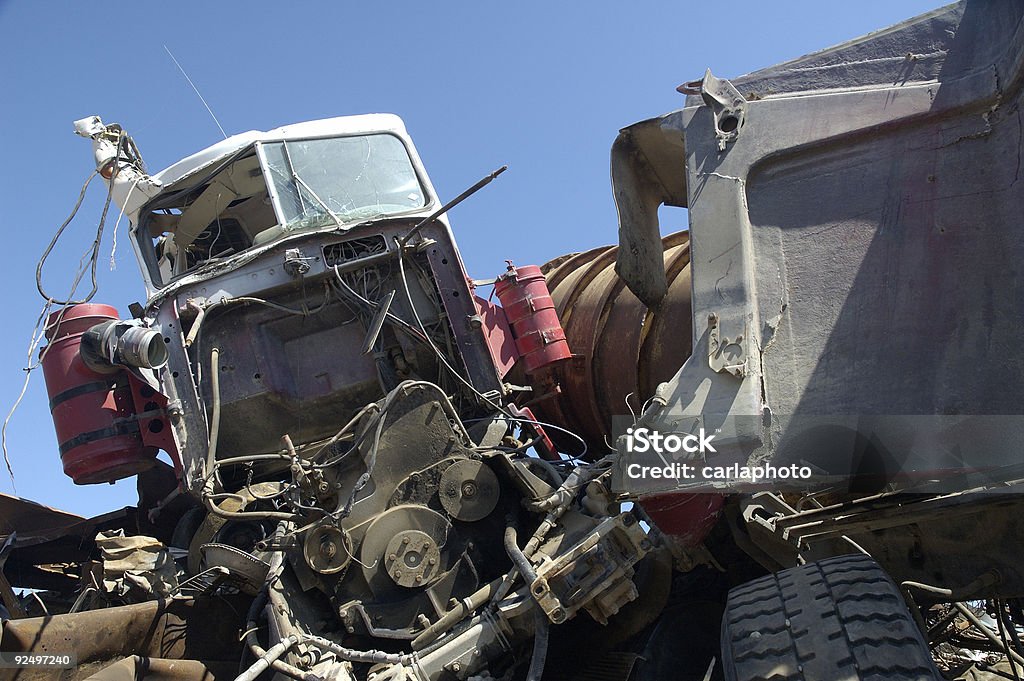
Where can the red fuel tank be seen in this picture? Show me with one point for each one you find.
(93, 413)
(530, 311)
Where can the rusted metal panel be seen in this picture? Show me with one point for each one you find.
(179, 629)
(29, 518)
(46, 536)
(498, 334)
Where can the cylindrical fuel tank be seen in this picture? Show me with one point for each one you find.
(619, 347)
(530, 311)
(93, 412)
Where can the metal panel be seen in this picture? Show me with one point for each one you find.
(854, 240)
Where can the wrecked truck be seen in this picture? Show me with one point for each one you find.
(378, 473)
(346, 425)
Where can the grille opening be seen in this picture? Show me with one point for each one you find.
(353, 249)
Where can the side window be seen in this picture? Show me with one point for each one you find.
(214, 218)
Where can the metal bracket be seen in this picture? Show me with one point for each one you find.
(295, 263)
(728, 105)
(726, 354)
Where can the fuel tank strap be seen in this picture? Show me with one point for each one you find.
(122, 428)
(84, 389)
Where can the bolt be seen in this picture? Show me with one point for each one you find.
(398, 574)
(432, 561)
(392, 556)
(405, 540)
(419, 578)
(469, 489)
(456, 667)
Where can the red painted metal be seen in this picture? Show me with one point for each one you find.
(687, 518)
(498, 334)
(93, 413)
(527, 302)
(154, 422)
(544, 446)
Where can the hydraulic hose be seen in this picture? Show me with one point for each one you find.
(252, 625)
(366, 656)
(542, 626)
(211, 452)
(980, 626)
(263, 662)
(464, 608)
(983, 581)
(519, 559)
(542, 629)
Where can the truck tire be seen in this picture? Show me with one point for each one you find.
(840, 619)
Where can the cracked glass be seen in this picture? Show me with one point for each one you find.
(322, 182)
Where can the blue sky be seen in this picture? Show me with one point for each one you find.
(543, 87)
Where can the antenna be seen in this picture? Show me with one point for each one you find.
(198, 94)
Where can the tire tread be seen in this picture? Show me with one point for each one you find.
(839, 619)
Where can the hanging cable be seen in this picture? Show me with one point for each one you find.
(38, 333)
(440, 356)
(93, 252)
(117, 222)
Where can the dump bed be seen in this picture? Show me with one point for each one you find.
(856, 234)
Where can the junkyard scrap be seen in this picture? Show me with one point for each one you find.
(379, 468)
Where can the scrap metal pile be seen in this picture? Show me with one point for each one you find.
(371, 470)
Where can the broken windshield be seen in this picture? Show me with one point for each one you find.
(321, 182)
(263, 192)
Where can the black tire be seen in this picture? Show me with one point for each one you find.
(840, 619)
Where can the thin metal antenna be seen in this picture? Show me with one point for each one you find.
(212, 115)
